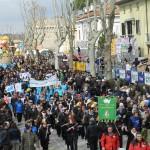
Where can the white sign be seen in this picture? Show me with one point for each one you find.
(18, 87)
(122, 74)
(134, 76)
(82, 44)
(25, 76)
(43, 83)
(147, 78)
(10, 88)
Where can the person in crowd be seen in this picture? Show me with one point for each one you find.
(110, 140)
(29, 139)
(19, 109)
(4, 136)
(15, 137)
(72, 133)
(92, 134)
(44, 133)
(135, 121)
(131, 136)
(138, 143)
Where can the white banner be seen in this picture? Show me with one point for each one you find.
(147, 78)
(122, 74)
(25, 76)
(18, 87)
(51, 77)
(43, 83)
(10, 88)
(134, 76)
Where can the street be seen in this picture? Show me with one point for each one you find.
(56, 143)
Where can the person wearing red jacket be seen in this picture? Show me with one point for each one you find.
(138, 143)
(110, 141)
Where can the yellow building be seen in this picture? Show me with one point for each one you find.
(135, 22)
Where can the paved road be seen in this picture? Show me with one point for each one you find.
(56, 143)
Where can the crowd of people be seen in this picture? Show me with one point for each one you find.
(71, 109)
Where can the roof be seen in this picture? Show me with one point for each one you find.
(120, 2)
(91, 13)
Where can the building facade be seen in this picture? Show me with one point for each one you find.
(135, 23)
(50, 38)
(82, 27)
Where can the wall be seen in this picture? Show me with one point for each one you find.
(136, 10)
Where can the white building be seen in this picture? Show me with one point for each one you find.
(82, 27)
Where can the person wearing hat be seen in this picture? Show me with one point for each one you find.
(110, 140)
(92, 134)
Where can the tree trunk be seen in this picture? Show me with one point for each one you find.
(107, 59)
(71, 55)
(71, 59)
(56, 59)
(91, 48)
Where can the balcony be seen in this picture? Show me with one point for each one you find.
(148, 38)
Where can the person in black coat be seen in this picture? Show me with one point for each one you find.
(131, 136)
(92, 134)
(15, 136)
(72, 133)
(4, 136)
(44, 133)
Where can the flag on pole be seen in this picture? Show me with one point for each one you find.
(107, 108)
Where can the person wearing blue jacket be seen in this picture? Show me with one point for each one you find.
(135, 121)
(19, 108)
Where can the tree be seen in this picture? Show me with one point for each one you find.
(93, 35)
(107, 25)
(69, 13)
(107, 20)
(60, 30)
(34, 23)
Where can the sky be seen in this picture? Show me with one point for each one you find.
(11, 18)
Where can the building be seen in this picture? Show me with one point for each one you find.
(82, 27)
(135, 23)
(50, 38)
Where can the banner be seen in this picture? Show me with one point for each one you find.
(122, 74)
(25, 76)
(79, 66)
(141, 77)
(10, 88)
(51, 77)
(147, 78)
(134, 76)
(117, 72)
(18, 87)
(107, 108)
(113, 47)
(128, 76)
(43, 83)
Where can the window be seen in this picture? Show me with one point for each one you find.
(137, 26)
(129, 27)
(123, 29)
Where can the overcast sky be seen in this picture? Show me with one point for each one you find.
(10, 15)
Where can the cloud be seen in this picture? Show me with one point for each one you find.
(10, 14)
